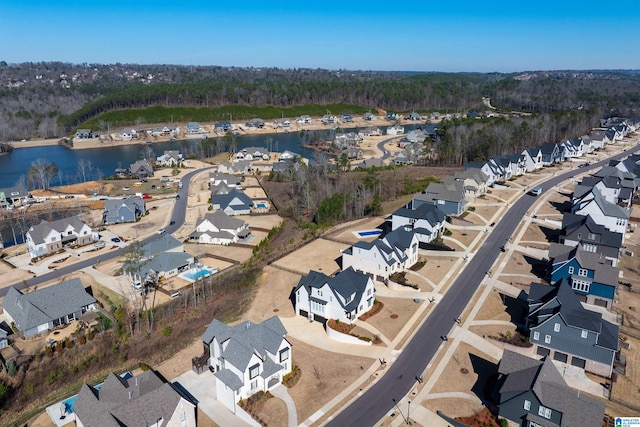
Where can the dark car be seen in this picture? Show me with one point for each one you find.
(177, 196)
(116, 240)
(153, 186)
(172, 223)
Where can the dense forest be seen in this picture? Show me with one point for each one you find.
(50, 99)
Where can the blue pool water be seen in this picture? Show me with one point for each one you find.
(68, 404)
(369, 233)
(261, 205)
(197, 275)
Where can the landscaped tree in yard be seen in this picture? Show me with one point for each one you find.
(134, 261)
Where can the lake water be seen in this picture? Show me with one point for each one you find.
(106, 160)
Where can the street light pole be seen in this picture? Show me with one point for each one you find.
(403, 417)
(408, 408)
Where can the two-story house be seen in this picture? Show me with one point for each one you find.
(141, 169)
(345, 296)
(448, 197)
(123, 210)
(170, 158)
(609, 215)
(550, 153)
(426, 221)
(590, 275)
(533, 393)
(218, 228)
(381, 258)
(532, 159)
(246, 358)
(233, 203)
(50, 237)
(562, 329)
(581, 231)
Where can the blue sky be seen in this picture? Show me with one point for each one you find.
(461, 35)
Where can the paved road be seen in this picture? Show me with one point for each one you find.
(377, 401)
(178, 215)
(384, 151)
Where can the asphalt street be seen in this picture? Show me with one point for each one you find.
(178, 216)
(378, 400)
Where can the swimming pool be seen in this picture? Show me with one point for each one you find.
(261, 205)
(197, 273)
(68, 404)
(368, 233)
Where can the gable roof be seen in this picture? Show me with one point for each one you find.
(222, 221)
(46, 304)
(165, 243)
(345, 284)
(573, 222)
(226, 200)
(425, 211)
(136, 402)
(543, 378)
(40, 231)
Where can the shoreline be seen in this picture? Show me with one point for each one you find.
(239, 127)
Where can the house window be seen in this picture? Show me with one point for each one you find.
(584, 334)
(544, 412)
(547, 339)
(582, 272)
(254, 371)
(536, 336)
(556, 327)
(412, 221)
(580, 285)
(284, 354)
(570, 270)
(254, 384)
(316, 307)
(527, 405)
(589, 247)
(579, 236)
(591, 236)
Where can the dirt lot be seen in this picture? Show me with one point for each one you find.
(262, 221)
(346, 231)
(320, 255)
(484, 209)
(519, 264)
(539, 235)
(493, 308)
(394, 315)
(240, 254)
(273, 294)
(255, 193)
(437, 267)
(467, 371)
(465, 237)
(323, 373)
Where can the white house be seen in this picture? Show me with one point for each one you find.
(427, 221)
(370, 131)
(170, 158)
(128, 134)
(345, 296)
(194, 127)
(246, 358)
(218, 228)
(532, 159)
(611, 216)
(381, 258)
(395, 130)
(304, 120)
(49, 237)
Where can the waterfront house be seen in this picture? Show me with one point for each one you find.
(415, 136)
(370, 131)
(218, 228)
(329, 119)
(141, 400)
(391, 116)
(562, 329)
(45, 308)
(282, 123)
(50, 237)
(532, 392)
(13, 196)
(253, 153)
(128, 134)
(344, 297)
(223, 126)
(194, 127)
(414, 116)
(347, 140)
(141, 169)
(354, 153)
(368, 117)
(395, 130)
(233, 203)
(381, 258)
(591, 276)
(255, 123)
(347, 118)
(84, 134)
(426, 221)
(304, 120)
(581, 231)
(170, 159)
(123, 210)
(246, 358)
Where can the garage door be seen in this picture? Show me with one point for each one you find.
(541, 351)
(600, 302)
(560, 357)
(582, 298)
(576, 361)
(304, 313)
(319, 318)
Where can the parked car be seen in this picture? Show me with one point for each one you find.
(161, 231)
(116, 240)
(125, 188)
(100, 245)
(153, 186)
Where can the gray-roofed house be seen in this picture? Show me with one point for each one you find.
(473, 180)
(426, 221)
(233, 203)
(413, 116)
(533, 393)
(167, 243)
(381, 258)
(84, 134)
(137, 401)
(218, 228)
(532, 159)
(550, 153)
(590, 274)
(45, 308)
(609, 215)
(164, 265)
(255, 123)
(170, 158)
(141, 169)
(561, 328)
(50, 237)
(448, 197)
(246, 358)
(194, 127)
(230, 180)
(582, 231)
(345, 296)
(123, 210)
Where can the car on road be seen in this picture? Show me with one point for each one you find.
(160, 231)
(69, 196)
(536, 191)
(172, 223)
(116, 240)
(177, 196)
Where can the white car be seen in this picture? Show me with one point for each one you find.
(161, 231)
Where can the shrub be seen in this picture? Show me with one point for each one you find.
(447, 232)
(82, 339)
(12, 370)
(68, 343)
(144, 367)
(48, 350)
(166, 331)
(90, 335)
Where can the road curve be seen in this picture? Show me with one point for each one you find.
(398, 380)
(178, 215)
